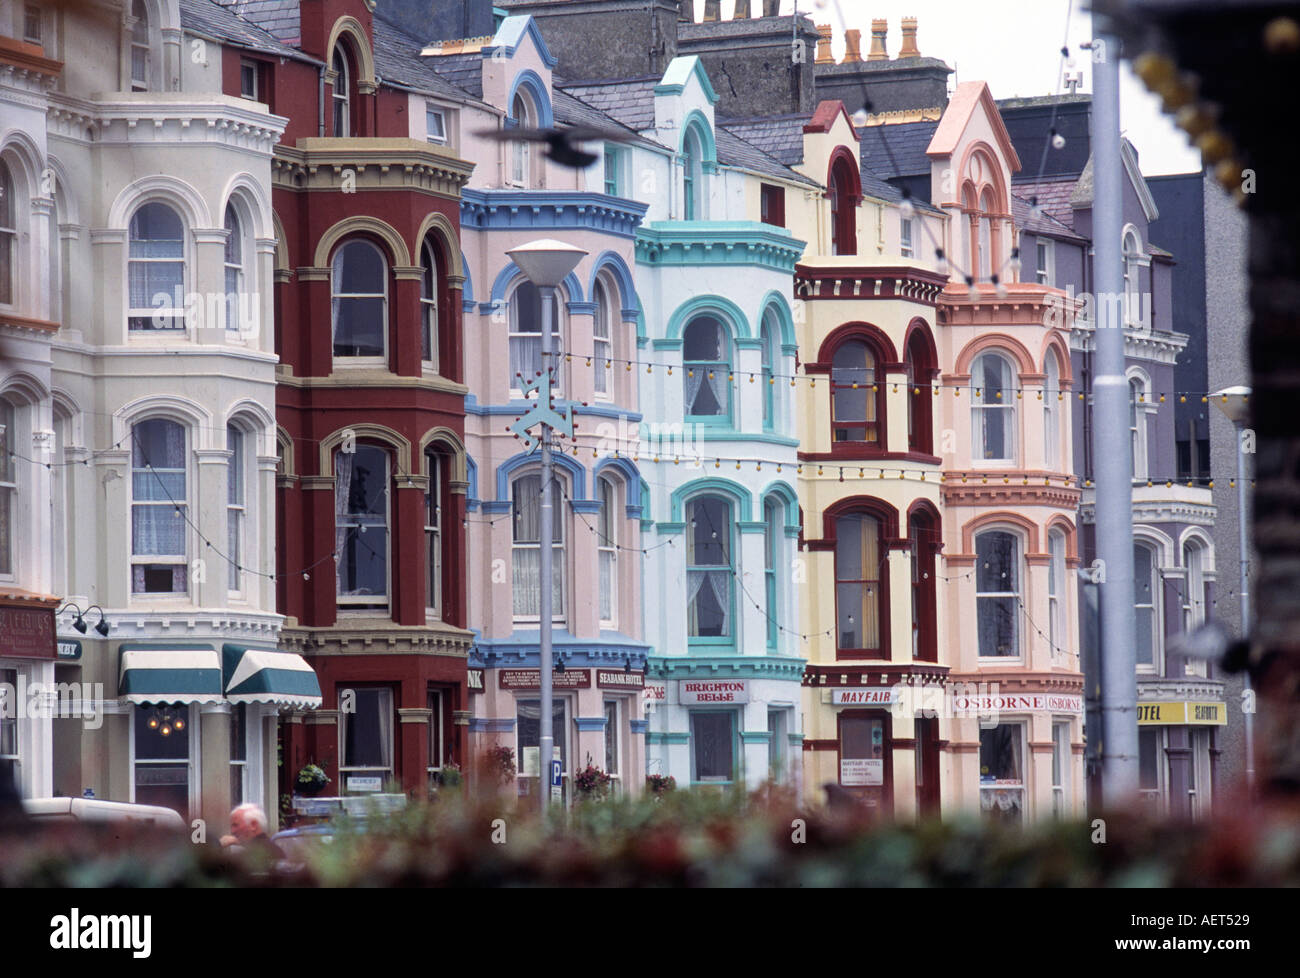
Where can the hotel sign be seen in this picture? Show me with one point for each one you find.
(27, 632)
(865, 697)
(654, 694)
(1182, 714)
(532, 679)
(618, 679)
(699, 692)
(862, 770)
(984, 705)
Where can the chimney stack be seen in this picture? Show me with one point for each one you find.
(879, 31)
(741, 11)
(771, 8)
(852, 47)
(909, 48)
(824, 56)
(712, 10)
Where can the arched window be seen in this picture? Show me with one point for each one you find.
(526, 553)
(986, 263)
(1052, 413)
(839, 189)
(709, 568)
(430, 279)
(768, 336)
(521, 162)
(607, 550)
(706, 355)
(360, 301)
(1137, 427)
(1145, 591)
(772, 532)
(433, 522)
(156, 268)
(159, 508)
(526, 337)
(141, 49)
(857, 411)
(859, 585)
(997, 593)
(1194, 602)
(993, 412)
(236, 509)
(361, 521)
(923, 536)
(920, 371)
(342, 93)
(1132, 280)
(1056, 616)
(8, 489)
(8, 237)
(238, 298)
(692, 176)
(602, 338)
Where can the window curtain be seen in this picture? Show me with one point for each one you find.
(694, 379)
(720, 582)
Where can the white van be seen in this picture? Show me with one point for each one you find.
(45, 810)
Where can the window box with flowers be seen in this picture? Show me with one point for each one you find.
(592, 784)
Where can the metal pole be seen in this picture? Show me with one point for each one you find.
(1244, 592)
(1114, 509)
(546, 737)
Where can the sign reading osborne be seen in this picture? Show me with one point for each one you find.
(713, 691)
(1018, 702)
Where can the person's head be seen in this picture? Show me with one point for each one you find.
(247, 821)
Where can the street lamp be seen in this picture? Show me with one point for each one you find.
(1233, 403)
(545, 263)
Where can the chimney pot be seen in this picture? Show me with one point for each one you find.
(852, 47)
(742, 10)
(824, 56)
(879, 31)
(712, 10)
(909, 48)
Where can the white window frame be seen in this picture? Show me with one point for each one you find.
(613, 742)
(607, 551)
(1017, 593)
(236, 507)
(520, 173)
(1156, 605)
(1052, 413)
(1195, 554)
(1026, 764)
(362, 361)
(387, 732)
(1043, 261)
(9, 485)
(141, 42)
(557, 340)
(558, 549)
(175, 560)
(32, 13)
(436, 134)
(192, 761)
(1155, 797)
(236, 266)
(429, 320)
(252, 67)
(1062, 755)
(1134, 260)
(979, 389)
(374, 604)
(905, 243)
(250, 719)
(341, 94)
(433, 523)
(1139, 395)
(603, 345)
(9, 221)
(437, 700)
(174, 313)
(1056, 593)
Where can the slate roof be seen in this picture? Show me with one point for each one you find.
(218, 21)
(905, 155)
(465, 71)
(1021, 213)
(1053, 198)
(734, 151)
(398, 60)
(279, 18)
(780, 137)
(572, 111)
(630, 101)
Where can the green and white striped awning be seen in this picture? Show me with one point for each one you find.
(255, 675)
(170, 674)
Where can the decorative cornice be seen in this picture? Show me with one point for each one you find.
(1160, 503)
(1023, 303)
(375, 164)
(1014, 493)
(1023, 681)
(717, 243)
(786, 668)
(485, 210)
(814, 281)
(871, 674)
(165, 118)
(21, 324)
(359, 637)
(1161, 689)
(1153, 345)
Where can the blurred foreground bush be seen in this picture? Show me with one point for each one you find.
(688, 838)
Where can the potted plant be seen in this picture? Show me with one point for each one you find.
(448, 776)
(500, 761)
(311, 780)
(592, 784)
(657, 784)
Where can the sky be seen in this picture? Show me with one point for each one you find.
(1015, 46)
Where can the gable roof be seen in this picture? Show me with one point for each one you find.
(1083, 191)
(511, 34)
(217, 22)
(1053, 197)
(1045, 224)
(738, 152)
(968, 97)
(630, 101)
(825, 115)
(398, 62)
(678, 76)
(465, 71)
(891, 151)
(279, 18)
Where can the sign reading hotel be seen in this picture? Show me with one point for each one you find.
(1183, 714)
(617, 679)
(532, 679)
(864, 697)
(701, 691)
(862, 770)
(983, 705)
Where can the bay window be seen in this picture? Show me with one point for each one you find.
(8, 488)
(1145, 589)
(433, 533)
(709, 602)
(526, 549)
(359, 303)
(856, 410)
(859, 568)
(526, 338)
(8, 236)
(923, 535)
(159, 506)
(1056, 633)
(1052, 413)
(1002, 772)
(1194, 598)
(1061, 754)
(771, 558)
(528, 739)
(361, 531)
(235, 508)
(713, 747)
(602, 339)
(234, 269)
(997, 593)
(366, 740)
(161, 750)
(993, 409)
(607, 551)
(429, 281)
(1137, 428)
(156, 269)
(706, 355)
(612, 765)
(768, 336)
(862, 753)
(342, 93)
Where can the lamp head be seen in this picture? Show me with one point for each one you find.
(546, 262)
(1234, 403)
(80, 624)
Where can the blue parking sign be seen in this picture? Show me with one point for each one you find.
(555, 774)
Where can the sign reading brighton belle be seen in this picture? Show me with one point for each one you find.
(713, 691)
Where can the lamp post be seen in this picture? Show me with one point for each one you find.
(1232, 402)
(545, 263)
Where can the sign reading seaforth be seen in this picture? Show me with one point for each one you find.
(695, 691)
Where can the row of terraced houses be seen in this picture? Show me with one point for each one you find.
(823, 514)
